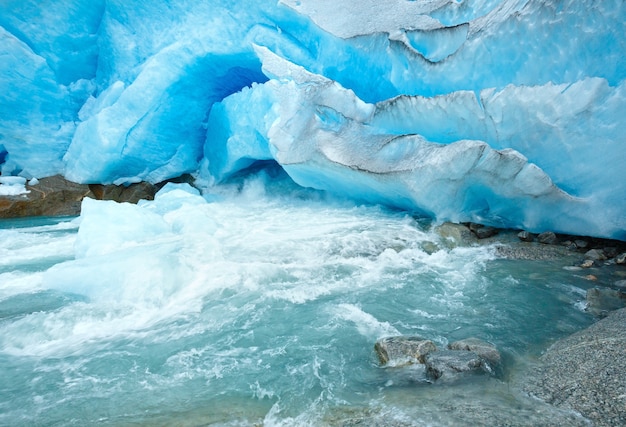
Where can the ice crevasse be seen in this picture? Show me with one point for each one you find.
(504, 112)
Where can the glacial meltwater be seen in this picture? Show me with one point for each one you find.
(260, 305)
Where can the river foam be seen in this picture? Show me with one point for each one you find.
(260, 304)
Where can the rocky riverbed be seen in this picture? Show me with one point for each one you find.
(581, 377)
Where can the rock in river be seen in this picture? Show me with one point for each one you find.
(403, 350)
(482, 348)
(449, 363)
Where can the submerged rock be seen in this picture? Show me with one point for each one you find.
(403, 350)
(457, 234)
(448, 363)
(601, 301)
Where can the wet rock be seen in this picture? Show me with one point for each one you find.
(429, 247)
(601, 301)
(56, 196)
(595, 255)
(588, 263)
(569, 245)
(52, 196)
(448, 363)
(610, 251)
(547, 238)
(457, 234)
(525, 236)
(485, 350)
(120, 193)
(586, 372)
(403, 350)
(581, 244)
(621, 258)
(483, 232)
(620, 284)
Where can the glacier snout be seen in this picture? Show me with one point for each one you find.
(404, 152)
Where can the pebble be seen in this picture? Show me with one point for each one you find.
(588, 263)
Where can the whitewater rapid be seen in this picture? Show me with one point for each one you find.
(259, 303)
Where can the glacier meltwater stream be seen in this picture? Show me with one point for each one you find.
(259, 307)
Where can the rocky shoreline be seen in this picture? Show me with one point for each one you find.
(582, 376)
(585, 372)
(579, 380)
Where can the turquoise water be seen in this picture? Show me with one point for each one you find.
(258, 308)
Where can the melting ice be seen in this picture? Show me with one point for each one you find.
(504, 112)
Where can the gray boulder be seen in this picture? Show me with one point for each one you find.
(403, 350)
(484, 232)
(482, 348)
(525, 236)
(600, 301)
(448, 364)
(456, 234)
(581, 244)
(547, 238)
(595, 255)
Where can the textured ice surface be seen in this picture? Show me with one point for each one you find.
(508, 112)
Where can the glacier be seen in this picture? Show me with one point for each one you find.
(501, 112)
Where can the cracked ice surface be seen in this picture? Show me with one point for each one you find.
(394, 152)
(507, 112)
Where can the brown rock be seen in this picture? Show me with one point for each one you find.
(588, 263)
(52, 196)
(131, 194)
(56, 196)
